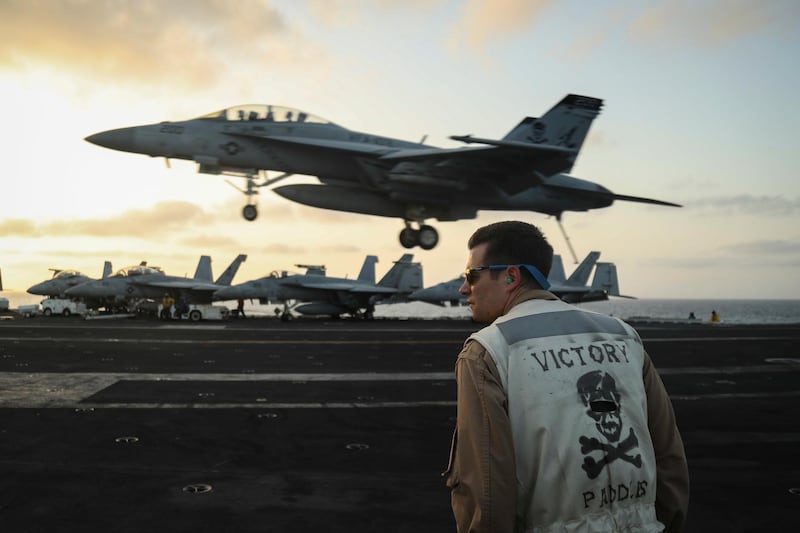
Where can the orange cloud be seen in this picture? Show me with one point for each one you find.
(160, 219)
(714, 24)
(19, 228)
(485, 20)
(183, 41)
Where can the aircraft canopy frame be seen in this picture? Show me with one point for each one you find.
(137, 270)
(264, 113)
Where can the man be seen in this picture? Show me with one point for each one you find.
(563, 422)
(167, 303)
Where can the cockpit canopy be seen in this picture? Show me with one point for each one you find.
(137, 270)
(265, 113)
(64, 274)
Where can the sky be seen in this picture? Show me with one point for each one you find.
(701, 108)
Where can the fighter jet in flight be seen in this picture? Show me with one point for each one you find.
(134, 284)
(314, 293)
(527, 170)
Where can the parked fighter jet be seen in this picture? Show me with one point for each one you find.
(375, 175)
(141, 282)
(314, 293)
(572, 289)
(62, 280)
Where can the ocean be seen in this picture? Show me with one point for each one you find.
(730, 311)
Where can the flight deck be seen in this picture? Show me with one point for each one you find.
(260, 425)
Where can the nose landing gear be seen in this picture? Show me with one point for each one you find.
(250, 211)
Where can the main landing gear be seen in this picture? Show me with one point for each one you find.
(426, 237)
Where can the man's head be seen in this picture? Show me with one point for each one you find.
(510, 243)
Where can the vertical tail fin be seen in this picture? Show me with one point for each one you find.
(106, 269)
(410, 279)
(367, 272)
(580, 276)
(557, 275)
(605, 278)
(203, 270)
(405, 275)
(1, 280)
(227, 277)
(566, 124)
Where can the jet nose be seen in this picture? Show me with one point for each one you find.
(228, 293)
(119, 139)
(39, 289)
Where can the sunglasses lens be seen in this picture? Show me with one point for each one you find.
(473, 276)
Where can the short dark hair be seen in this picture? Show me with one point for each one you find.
(513, 242)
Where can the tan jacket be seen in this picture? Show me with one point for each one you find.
(482, 471)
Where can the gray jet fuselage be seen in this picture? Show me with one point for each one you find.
(526, 170)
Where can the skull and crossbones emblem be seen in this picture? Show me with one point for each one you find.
(538, 133)
(598, 392)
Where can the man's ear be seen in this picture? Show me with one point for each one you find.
(513, 277)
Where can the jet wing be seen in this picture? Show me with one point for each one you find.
(508, 165)
(348, 287)
(357, 148)
(493, 149)
(374, 290)
(184, 285)
(566, 289)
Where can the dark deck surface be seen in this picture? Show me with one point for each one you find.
(125, 425)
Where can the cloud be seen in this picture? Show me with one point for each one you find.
(483, 21)
(746, 204)
(283, 249)
(206, 241)
(765, 248)
(345, 13)
(160, 219)
(340, 249)
(183, 42)
(19, 228)
(587, 43)
(714, 23)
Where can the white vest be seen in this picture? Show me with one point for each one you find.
(578, 412)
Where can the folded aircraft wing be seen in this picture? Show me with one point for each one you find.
(184, 285)
(343, 286)
(374, 290)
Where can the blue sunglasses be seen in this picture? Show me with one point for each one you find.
(473, 274)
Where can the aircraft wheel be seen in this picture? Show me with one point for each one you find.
(428, 237)
(409, 238)
(250, 212)
(195, 315)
